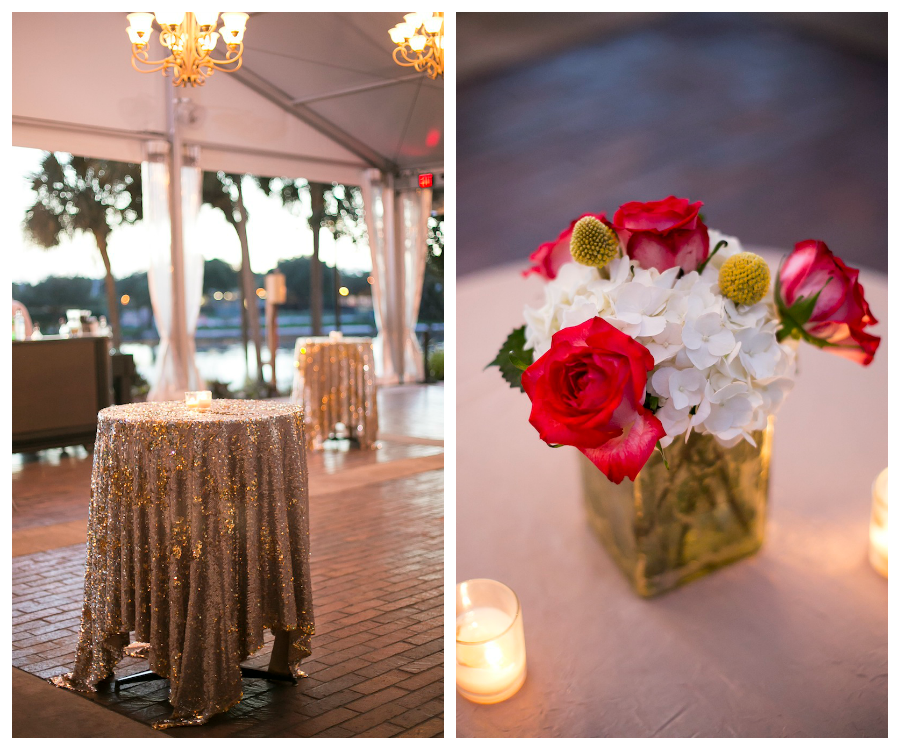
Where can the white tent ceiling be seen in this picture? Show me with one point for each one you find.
(318, 96)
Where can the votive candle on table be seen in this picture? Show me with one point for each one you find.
(336, 335)
(198, 400)
(490, 641)
(878, 527)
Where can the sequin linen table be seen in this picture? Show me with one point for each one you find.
(198, 540)
(335, 382)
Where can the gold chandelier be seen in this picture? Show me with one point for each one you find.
(420, 42)
(192, 38)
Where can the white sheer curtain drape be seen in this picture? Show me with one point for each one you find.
(414, 210)
(397, 224)
(378, 200)
(175, 368)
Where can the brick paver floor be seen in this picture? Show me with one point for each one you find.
(377, 663)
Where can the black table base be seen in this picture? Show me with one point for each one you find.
(246, 672)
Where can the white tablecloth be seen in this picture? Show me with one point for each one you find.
(791, 642)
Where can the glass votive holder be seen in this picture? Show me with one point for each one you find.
(336, 336)
(878, 526)
(198, 400)
(490, 641)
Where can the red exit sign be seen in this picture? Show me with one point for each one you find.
(426, 180)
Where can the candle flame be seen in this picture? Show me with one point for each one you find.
(493, 654)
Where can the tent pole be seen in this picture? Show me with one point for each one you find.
(179, 321)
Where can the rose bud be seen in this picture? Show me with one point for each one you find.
(663, 234)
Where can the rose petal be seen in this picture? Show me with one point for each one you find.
(692, 247)
(651, 251)
(625, 455)
(855, 345)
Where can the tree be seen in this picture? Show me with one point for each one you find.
(334, 207)
(85, 195)
(218, 276)
(137, 289)
(435, 243)
(225, 191)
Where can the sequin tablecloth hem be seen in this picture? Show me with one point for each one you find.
(193, 720)
(68, 681)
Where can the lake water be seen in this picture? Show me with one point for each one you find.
(227, 363)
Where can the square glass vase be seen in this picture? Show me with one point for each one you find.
(671, 526)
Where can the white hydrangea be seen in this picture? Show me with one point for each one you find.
(719, 369)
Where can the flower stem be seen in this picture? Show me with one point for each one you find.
(719, 244)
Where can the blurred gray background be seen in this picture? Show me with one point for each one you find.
(777, 122)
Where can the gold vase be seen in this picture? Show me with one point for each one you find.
(673, 525)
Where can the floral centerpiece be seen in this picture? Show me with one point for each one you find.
(662, 352)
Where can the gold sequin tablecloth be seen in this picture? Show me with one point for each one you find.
(335, 382)
(198, 540)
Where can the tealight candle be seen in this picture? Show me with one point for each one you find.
(198, 400)
(490, 641)
(336, 335)
(878, 527)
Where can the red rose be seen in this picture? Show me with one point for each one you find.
(588, 391)
(663, 234)
(551, 255)
(840, 312)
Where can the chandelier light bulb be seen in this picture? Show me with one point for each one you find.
(208, 43)
(206, 20)
(413, 19)
(141, 24)
(396, 35)
(433, 24)
(417, 43)
(233, 25)
(170, 19)
(135, 36)
(405, 30)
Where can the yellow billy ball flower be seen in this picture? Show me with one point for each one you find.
(744, 278)
(593, 243)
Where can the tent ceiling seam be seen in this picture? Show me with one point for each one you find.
(145, 135)
(412, 109)
(269, 91)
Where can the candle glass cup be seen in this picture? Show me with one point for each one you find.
(198, 400)
(878, 527)
(490, 641)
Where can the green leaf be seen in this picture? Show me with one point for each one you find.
(796, 316)
(651, 402)
(513, 358)
(801, 311)
(787, 329)
(660, 449)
